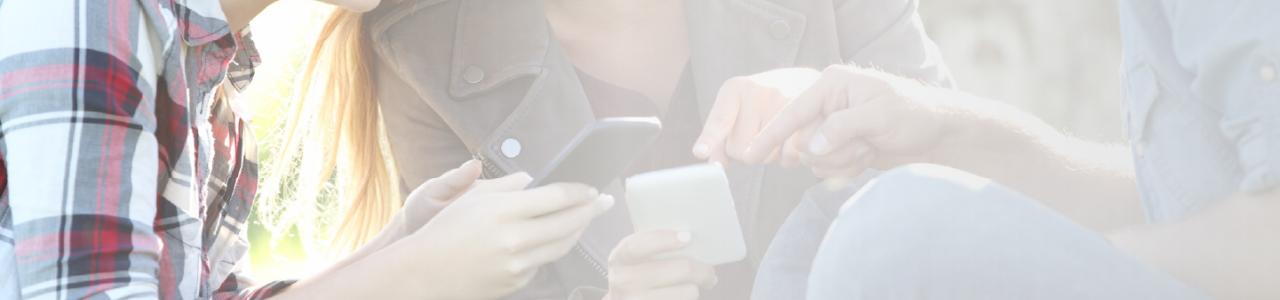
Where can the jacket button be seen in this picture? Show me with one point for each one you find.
(780, 29)
(1267, 73)
(511, 148)
(473, 75)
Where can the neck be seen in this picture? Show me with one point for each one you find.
(610, 14)
(627, 43)
(240, 12)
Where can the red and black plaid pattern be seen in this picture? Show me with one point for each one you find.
(121, 176)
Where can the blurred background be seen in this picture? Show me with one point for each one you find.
(1056, 59)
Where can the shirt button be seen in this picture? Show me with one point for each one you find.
(511, 148)
(780, 29)
(473, 75)
(1267, 73)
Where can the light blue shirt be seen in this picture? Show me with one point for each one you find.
(1203, 100)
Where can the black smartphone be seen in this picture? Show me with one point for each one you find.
(601, 152)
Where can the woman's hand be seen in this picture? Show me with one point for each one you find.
(742, 108)
(491, 241)
(429, 198)
(638, 269)
(864, 118)
(488, 241)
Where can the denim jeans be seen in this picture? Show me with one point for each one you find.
(930, 232)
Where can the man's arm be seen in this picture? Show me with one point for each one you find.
(889, 35)
(882, 121)
(1231, 250)
(1092, 183)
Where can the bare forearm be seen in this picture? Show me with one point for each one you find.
(382, 274)
(240, 12)
(1231, 250)
(383, 240)
(392, 233)
(1090, 182)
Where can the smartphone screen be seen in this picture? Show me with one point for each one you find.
(602, 152)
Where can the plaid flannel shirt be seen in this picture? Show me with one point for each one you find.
(123, 178)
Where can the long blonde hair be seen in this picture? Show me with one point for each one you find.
(334, 124)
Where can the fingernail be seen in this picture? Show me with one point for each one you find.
(701, 151)
(684, 237)
(747, 153)
(515, 267)
(606, 201)
(819, 144)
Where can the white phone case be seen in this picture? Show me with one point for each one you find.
(696, 199)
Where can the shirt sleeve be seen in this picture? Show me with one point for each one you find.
(239, 287)
(79, 147)
(889, 35)
(1233, 49)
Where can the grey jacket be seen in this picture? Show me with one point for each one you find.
(458, 79)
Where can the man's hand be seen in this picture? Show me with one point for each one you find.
(743, 106)
(865, 118)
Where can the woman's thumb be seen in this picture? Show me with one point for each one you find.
(451, 184)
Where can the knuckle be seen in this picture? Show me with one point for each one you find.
(839, 69)
(564, 191)
(624, 282)
(689, 292)
(510, 244)
(510, 284)
(513, 268)
(833, 69)
(431, 182)
(577, 191)
(718, 120)
(771, 93)
(688, 267)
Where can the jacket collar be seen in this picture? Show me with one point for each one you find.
(716, 31)
(482, 62)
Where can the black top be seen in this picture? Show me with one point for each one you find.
(680, 123)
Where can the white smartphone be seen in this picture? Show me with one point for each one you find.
(694, 199)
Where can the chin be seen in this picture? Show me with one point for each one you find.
(355, 5)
